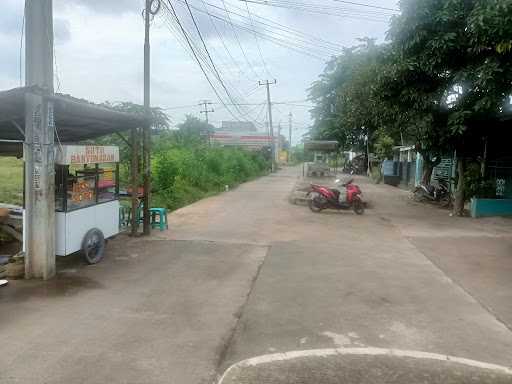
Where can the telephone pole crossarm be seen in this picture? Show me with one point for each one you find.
(206, 111)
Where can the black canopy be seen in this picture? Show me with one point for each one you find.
(75, 119)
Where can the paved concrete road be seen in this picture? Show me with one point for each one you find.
(152, 312)
(246, 274)
(340, 280)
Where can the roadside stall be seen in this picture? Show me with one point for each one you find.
(86, 199)
(323, 152)
(84, 178)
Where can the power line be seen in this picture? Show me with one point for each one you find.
(238, 40)
(373, 11)
(330, 11)
(365, 5)
(180, 107)
(207, 51)
(196, 57)
(305, 50)
(221, 37)
(219, 78)
(257, 41)
(292, 102)
(21, 43)
(283, 27)
(296, 34)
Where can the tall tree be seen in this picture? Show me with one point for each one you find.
(443, 75)
(194, 130)
(451, 73)
(346, 107)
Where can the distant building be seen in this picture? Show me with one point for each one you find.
(249, 140)
(238, 126)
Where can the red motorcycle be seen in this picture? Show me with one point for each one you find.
(322, 197)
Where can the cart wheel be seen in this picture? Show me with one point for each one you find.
(93, 246)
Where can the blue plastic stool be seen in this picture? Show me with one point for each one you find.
(162, 218)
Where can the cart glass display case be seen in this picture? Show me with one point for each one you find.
(82, 186)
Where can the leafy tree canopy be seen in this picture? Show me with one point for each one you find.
(444, 71)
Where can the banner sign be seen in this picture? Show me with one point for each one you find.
(86, 154)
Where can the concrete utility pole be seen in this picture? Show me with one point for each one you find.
(273, 144)
(151, 9)
(206, 111)
(278, 145)
(290, 117)
(39, 243)
(134, 141)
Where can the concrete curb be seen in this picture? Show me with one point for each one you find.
(370, 351)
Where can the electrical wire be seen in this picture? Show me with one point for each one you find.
(21, 43)
(221, 37)
(207, 62)
(294, 46)
(197, 58)
(219, 78)
(293, 35)
(257, 41)
(355, 9)
(288, 29)
(297, 38)
(366, 5)
(206, 49)
(323, 10)
(238, 40)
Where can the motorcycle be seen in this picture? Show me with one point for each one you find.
(322, 197)
(436, 193)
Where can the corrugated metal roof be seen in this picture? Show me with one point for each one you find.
(326, 146)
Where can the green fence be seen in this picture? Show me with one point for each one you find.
(501, 172)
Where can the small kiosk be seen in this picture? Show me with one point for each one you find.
(86, 199)
(321, 152)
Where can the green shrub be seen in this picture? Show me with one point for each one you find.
(183, 175)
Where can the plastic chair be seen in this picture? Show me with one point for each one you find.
(162, 218)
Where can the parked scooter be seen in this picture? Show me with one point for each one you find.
(322, 197)
(437, 193)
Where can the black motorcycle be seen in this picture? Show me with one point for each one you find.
(435, 193)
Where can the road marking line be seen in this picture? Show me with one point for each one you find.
(371, 351)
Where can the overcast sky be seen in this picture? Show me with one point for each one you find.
(99, 52)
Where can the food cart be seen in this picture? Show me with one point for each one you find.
(86, 199)
(321, 151)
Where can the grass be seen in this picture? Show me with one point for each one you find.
(11, 180)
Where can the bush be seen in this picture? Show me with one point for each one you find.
(183, 175)
(476, 186)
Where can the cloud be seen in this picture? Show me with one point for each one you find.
(105, 6)
(99, 50)
(11, 18)
(61, 30)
